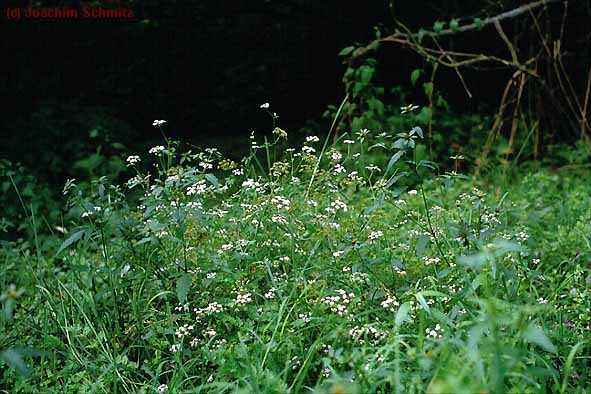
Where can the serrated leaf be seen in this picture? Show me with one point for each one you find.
(535, 334)
(183, 283)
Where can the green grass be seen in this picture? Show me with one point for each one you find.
(285, 273)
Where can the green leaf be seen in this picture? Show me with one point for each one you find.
(454, 24)
(346, 51)
(213, 180)
(421, 245)
(438, 26)
(478, 23)
(423, 302)
(414, 76)
(395, 157)
(535, 334)
(13, 358)
(71, 239)
(183, 283)
(422, 33)
(416, 130)
(401, 314)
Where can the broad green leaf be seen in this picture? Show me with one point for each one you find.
(423, 302)
(213, 180)
(13, 358)
(71, 239)
(535, 334)
(183, 283)
(438, 26)
(454, 24)
(401, 314)
(346, 51)
(395, 157)
(414, 76)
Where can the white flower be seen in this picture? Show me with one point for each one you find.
(162, 389)
(265, 105)
(158, 122)
(133, 160)
(338, 204)
(348, 142)
(375, 235)
(412, 192)
(312, 138)
(308, 149)
(408, 108)
(336, 156)
(238, 171)
(157, 150)
(338, 253)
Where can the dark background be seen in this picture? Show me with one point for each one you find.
(206, 66)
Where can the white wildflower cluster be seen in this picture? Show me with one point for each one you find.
(338, 253)
(522, 236)
(305, 317)
(134, 181)
(132, 160)
(371, 334)
(431, 260)
(210, 309)
(435, 332)
(156, 150)
(238, 171)
(338, 304)
(251, 184)
(175, 348)
(280, 219)
(338, 205)
(312, 138)
(158, 122)
(243, 299)
(280, 202)
(162, 389)
(375, 235)
(412, 192)
(271, 293)
(197, 188)
(184, 330)
(390, 303)
(348, 142)
(308, 149)
(338, 169)
(265, 105)
(206, 165)
(335, 156)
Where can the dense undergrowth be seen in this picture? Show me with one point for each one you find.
(345, 267)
